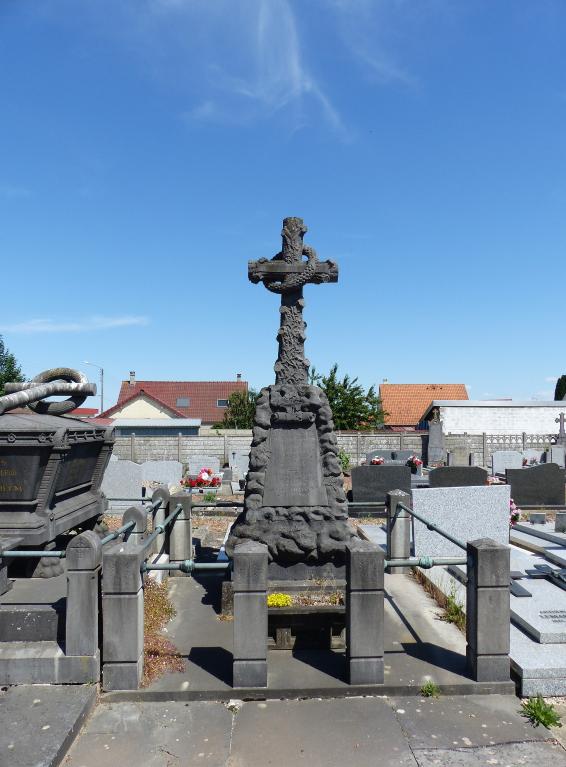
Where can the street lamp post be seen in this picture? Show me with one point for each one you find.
(94, 365)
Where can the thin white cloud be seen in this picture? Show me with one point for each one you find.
(43, 325)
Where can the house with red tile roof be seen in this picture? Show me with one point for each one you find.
(405, 404)
(204, 400)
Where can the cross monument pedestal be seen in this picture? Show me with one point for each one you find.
(294, 499)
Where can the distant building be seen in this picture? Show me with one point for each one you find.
(405, 404)
(496, 416)
(202, 401)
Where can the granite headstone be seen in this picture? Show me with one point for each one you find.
(501, 460)
(239, 463)
(387, 455)
(164, 472)
(122, 479)
(198, 462)
(537, 486)
(459, 456)
(457, 476)
(467, 513)
(558, 455)
(372, 483)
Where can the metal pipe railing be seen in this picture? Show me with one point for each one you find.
(425, 562)
(162, 527)
(188, 566)
(30, 553)
(432, 526)
(117, 533)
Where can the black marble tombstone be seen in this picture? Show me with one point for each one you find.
(372, 483)
(541, 485)
(457, 476)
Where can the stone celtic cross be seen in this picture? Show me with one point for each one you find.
(561, 433)
(286, 273)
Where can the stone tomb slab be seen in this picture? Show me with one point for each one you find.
(501, 460)
(467, 513)
(457, 476)
(293, 476)
(198, 462)
(537, 486)
(544, 616)
(164, 472)
(122, 479)
(372, 483)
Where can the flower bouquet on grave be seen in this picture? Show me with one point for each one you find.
(414, 462)
(377, 461)
(205, 478)
(495, 481)
(514, 513)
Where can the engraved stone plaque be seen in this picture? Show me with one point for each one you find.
(293, 475)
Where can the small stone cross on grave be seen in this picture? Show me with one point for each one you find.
(561, 433)
(286, 274)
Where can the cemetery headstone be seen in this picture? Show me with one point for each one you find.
(122, 479)
(436, 449)
(537, 486)
(459, 456)
(501, 460)
(162, 472)
(457, 476)
(404, 455)
(532, 456)
(198, 462)
(467, 513)
(294, 499)
(387, 455)
(558, 455)
(239, 463)
(372, 483)
(561, 440)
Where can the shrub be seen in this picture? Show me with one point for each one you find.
(344, 459)
(279, 600)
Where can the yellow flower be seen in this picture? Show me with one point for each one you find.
(279, 600)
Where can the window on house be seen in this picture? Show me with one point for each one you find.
(183, 401)
(221, 403)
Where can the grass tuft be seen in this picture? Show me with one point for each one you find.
(538, 711)
(430, 690)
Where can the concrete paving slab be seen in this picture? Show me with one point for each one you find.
(38, 723)
(154, 735)
(508, 755)
(356, 731)
(456, 722)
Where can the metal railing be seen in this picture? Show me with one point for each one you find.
(432, 526)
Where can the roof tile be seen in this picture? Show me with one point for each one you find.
(405, 404)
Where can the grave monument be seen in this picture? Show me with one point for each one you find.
(294, 498)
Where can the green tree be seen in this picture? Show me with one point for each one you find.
(560, 390)
(9, 368)
(352, 406)
(240, 411)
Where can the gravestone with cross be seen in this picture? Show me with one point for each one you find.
(294, 499)
(561, 433)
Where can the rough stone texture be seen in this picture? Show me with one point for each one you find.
(457, 476)
(502, 460)
(465, 512)
(314, 527)
(372, 483)
(538, 485)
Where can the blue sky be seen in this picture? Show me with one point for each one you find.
(149, 148)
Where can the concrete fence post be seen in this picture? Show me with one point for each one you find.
(364, 613)
(122, 616)
(560, 523)
(398, 529)
(249, 582)
(84, 557)
(488, 611)
(181, 532)
(137, 533)
(162, 494)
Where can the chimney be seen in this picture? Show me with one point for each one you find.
(238, 376)
(132, 377)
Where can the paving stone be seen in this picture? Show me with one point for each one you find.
(154, 735)
(361, 732)
(507, 755)
(39, 722)
(544, 616)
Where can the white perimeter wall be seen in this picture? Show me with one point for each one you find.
(510, 419)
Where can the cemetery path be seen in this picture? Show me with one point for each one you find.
(360, 732)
